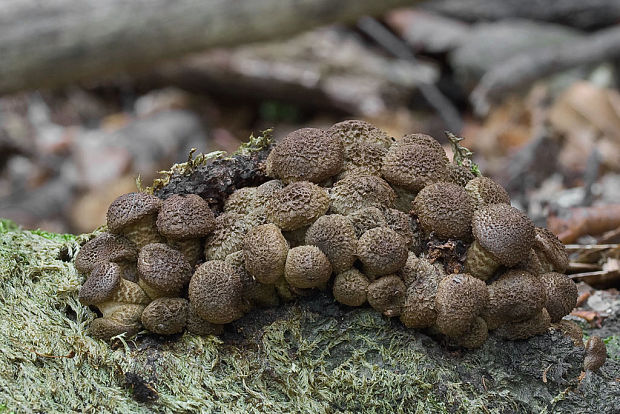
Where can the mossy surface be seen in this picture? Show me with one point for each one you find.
(308, 356)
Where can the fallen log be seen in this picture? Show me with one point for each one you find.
(48, 44)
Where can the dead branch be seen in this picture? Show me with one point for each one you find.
(51, 43)
(526, 68)
(585, 220)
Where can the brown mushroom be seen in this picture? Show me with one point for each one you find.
(133, 215)
(297, 205)
(550, 251)
(515, 296)
(536, 325)
(413, 166)
(460, 299)
(265, 250)
(596, 354)
(307, 267)
(382, 251)
(422, 279)
(166, 316)
(227, 237)
(387, 295)
(359, 191)
(162, 270)
(335, 236)
(254, 293)
(351, 288)
(215, 292)
(484, 190)
(561, 293)
(107, 247)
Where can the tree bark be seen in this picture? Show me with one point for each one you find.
(51, 43)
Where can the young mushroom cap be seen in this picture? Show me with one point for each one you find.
(185, 217)
(484, 190)
(477, 335)
(106, 284)
(445, 209)
(124, 320)
(355, 192)
(550, 251)
(382, 251)
(297, 205)
(307, 267)
(596, 354)
(165, 316)
(227, 237)
(162, 270)
(254, 293)
(215, 292)
(307, 154)
(242, 201)
(460, 299)
(401, 223)
(422, 280)
(105, 247)
(334, 235)
(265, 250)
(134, 215)
(561, 294)
(367, 218)
(425, 141)
(387, 295)
(459, 174)
(351, 288)
(413, 166)
(515, 296)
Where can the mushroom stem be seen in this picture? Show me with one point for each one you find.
(479, 263)
(155, 293)
(143, 231)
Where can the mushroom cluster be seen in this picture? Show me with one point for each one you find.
(351, 210)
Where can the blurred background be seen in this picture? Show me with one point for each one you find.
(93, 95)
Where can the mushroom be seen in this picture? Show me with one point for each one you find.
(422, 279)
(198, 326)
(227, 237)
(107, 247)
(382, 251)
(265, 250)
(503, 236)
(561, 295)
(307, 267)
(162, 270)
(444, 209)
(596, 354)
(401, 223)
(460, 299)
(413, 166)
(459, 174)
(477, 335)
(351, 288)
(241, 201)
(387, 295)
(133, 215)
(297, 205)
(536, 325)
(367, 218)
(485, 191)
(550, 251)
(215, 292)
(307, 154)
(184, 220)
(124, 319)
(335, 236)
(166, 316)
(515, 296)
(254, 293)
(364, 146)
(355, 192)
(426, 141)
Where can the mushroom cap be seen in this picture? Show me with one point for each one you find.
(422, 280)
(185, 217)
(102, 284)
(254, 293)
(536, 325)
(241, 201)
(355, 192)
(426, 141)
(515, 296)
(335, 236)
(459, 174)
(382, 251)
(265, 250)
(596, 354)
(198, 326)
(460, 299)
(126, 319)
(215, 292)
(445, 209)
(307, 154)
(387, 295)
(307, 267)
(364, 146)
(297, 205)
(351, 288)
(367, 218)
(561, 294)
(227, 237)
(486, 191)
(550, 250)
(401, 223)
(165, 316)
(504, 232)
(413, 166)
(105, 247)
(163, 268)
(476, 335)
(130, 208)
